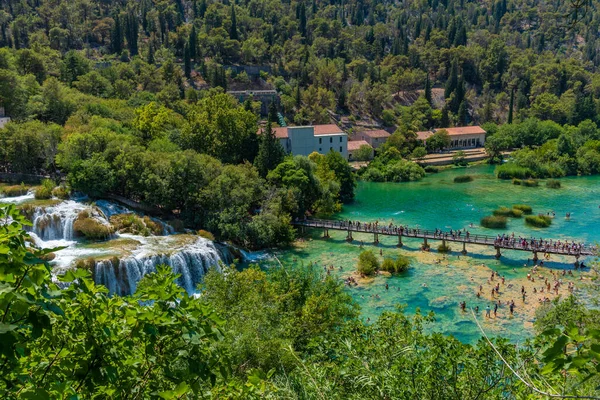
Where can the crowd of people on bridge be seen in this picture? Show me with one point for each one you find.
(541, 245)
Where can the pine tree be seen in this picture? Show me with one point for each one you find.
(116, 37)
(510, 106)
(233, 35)
(428, 91)
(187, 62)
(270, 152)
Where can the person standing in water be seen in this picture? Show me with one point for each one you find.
(487, 311)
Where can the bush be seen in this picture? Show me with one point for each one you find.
(463, 178)
(523, 207)
(14, 191)
(510, 171)
(539, 221)
(90, 228)
(553, 184)
(494, 222)
(373, 175)
(44, 192)
(430, 169)
(516, 181)
(134, 224)
(400, 264)
(530, 183)
(443, 248)
(206, 235)
(368, 263)
(61, 192)
(508, 212)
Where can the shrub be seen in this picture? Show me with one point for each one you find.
(431, 169)
(206, 235)
(510, 170)
(530, 183)
(368, 263)
(443, 248)
(91, 229)
(400, 264)
(516, 181)
(523, 207)
(132, 223)
(373, 175)
(14, 191)
(61, 192)
(494, 222)
(463, 178)
(539, 221)
(44, 192)
(553, 184)
(508, 212)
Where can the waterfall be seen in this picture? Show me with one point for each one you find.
(56, 222)
(192, 262)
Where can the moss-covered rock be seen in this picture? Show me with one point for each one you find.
(90, 228)
(134, 224)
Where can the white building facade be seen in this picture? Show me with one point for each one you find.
(304, 140)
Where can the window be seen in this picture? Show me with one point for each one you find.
(320, 140)
(330, 140)
(341, 149)
(341, 139)
(320, 149)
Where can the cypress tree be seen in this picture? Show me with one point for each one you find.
(193, 43)
(150, 58)
(233, 35)
(462, 113)
(302, 18)
(428, 90)
(445, 121)
(452, 81)
(510, 106)
(116, 37)
(270, 152)
(298, 98)
(202, 8)
(273, 111)
(132, 33)
(187, 62)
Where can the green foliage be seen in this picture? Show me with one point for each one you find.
(511, 171)
(444, 248)
(553, 184)
(458, 158)
(494, 222)
(270, 152)
(463, 179)
(91, 228)
(14, 191)
(396, 265)
(523, 207)
(363, 153)
(368, 264)
(508, 212)
(530, 183)
(134, 224)
(538, 221)
(44, 191)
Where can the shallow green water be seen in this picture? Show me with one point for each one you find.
(437, 202)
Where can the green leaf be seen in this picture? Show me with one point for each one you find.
(4, 328)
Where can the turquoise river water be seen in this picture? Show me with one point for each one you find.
(437, 283)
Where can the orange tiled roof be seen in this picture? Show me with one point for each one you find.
(355, 144)
(378, 133)
(457, 131)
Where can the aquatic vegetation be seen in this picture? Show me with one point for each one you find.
(61, 192)
(463, 178)
(91, 228)
(516, 181)
(510, 171)
(44, 192)
(494, 222)
(206, 235)
(134, 224)
(14, 191)
(444, 248)
(553, 184)
(508, 212)
(398, 265)
(368, 264)
(431, 169)
(530, 183)
(539, 221)
(523, 207)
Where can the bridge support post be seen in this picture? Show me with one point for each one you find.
(425, 245)
(498, 255)
(326, 233)
(535, 258)
(399, 241)
(464, 250)
(577, 261)
(349, 237)
(376, 238)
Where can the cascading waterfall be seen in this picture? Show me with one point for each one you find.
(56, 222)
(191, 263)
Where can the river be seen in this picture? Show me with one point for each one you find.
(438, 284)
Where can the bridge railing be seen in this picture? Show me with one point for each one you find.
(428, 234)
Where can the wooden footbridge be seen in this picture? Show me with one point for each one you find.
(534, 246)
